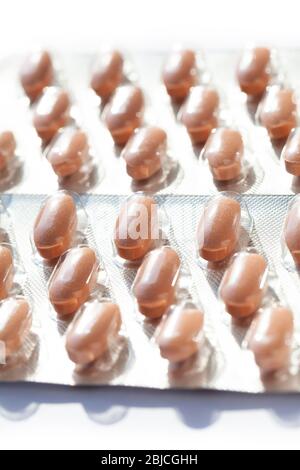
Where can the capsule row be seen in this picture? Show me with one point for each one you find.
(277, 111)
(200, 103)
(68, 152)
(73, 280)
(145, 153)
(156, 286)
(180, 332)
(181, 77)
(54, 235)
(243, 287)
(123, 114)
(15, 310)
(224, 147)
(243, 290)
(67, 146)
(95, 328)
(217, 234)
(137, 228)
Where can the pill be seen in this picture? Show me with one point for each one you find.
(73, 280)
(180, 333)
(7, 148)
(137, 227)
(144, 152)
(244, 284)
(68, 152)
(107, 73)
(278, 112)
(219, 229)
(6, 271)
(270, 337)
(292, 230)
(36, 73)
(180, 73)
(124, 113)
(55, 226)
(15, 324)
(199, 113)
(93, 332)
(253, 72)
(224, 152)
(291, 153)
(51, 113)
(155, 284)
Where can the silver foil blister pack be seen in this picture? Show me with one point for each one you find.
(181, 190)
(186, 173)
(225, 364)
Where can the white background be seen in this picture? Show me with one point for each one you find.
(54, 417)
(151, 23)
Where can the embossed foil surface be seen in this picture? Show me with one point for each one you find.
(223, 363)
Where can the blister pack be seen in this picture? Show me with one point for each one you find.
(149, 219)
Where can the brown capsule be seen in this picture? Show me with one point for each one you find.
(253, 72)
(68, 152)
(180, 73)
(144, 152)
(73, 280)
(52, 112)
(244, 284)
(180, 333)
(36, 73)
(292, 230)
(224, 152)
(291, 153)
(278, 112)
(124, 113)
(199, 113)
(93, 332)
(15, 324)
(55, 226)
(155, 283)
(270, 337)
(107, 73)
(137, 227)
(219, 229)
(6, 271)
(7, 148)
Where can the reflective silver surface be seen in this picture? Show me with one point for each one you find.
(222, 363)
